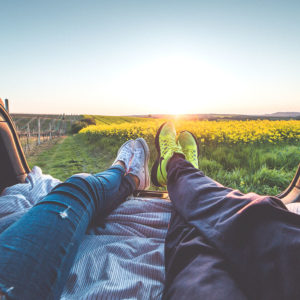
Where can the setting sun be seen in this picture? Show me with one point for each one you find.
(175, 84)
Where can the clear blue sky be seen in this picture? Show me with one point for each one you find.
(140, 57)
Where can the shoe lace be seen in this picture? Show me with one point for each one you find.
(166, 145)
(192, 154)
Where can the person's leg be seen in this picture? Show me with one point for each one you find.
(36, 253)
(257, 237)
(194, 268)
(253, 240)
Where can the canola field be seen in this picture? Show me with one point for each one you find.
(253, 156)
(208, 132)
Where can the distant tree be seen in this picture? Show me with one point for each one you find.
(88, 120)
(82, 123)
(77, 126)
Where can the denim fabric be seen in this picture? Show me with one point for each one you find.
(37, 252)
(223, 244)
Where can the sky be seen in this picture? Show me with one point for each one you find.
(144, 57)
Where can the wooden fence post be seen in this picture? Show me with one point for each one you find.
(39, 131)
(28, 138)
(65, 127)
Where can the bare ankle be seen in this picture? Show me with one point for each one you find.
(120, 163)
(135, 179)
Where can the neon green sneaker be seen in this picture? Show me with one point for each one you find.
(190, 147)
(166, 146)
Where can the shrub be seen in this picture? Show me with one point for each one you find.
(88, 120)
(77, 126)
(82, 123)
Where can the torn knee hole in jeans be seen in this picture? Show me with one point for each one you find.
(64, 214)
(6, 291)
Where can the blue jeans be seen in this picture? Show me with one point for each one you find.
(37, 252)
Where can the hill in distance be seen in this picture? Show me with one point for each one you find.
(284, 114)
(273, 116)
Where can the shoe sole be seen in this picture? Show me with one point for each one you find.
(196, 141)
(146, 161)
(158, 159)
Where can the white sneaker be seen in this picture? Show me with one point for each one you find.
(125, 154)
(139, 163)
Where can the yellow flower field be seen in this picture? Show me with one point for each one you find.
(229, 132)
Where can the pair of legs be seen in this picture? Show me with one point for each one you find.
(222, 244)
(37, 252)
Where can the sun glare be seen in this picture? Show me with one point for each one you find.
(174, 85)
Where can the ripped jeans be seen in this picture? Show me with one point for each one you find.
(37, 252)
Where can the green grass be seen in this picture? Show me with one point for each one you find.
(264, 169)
(74, 154)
